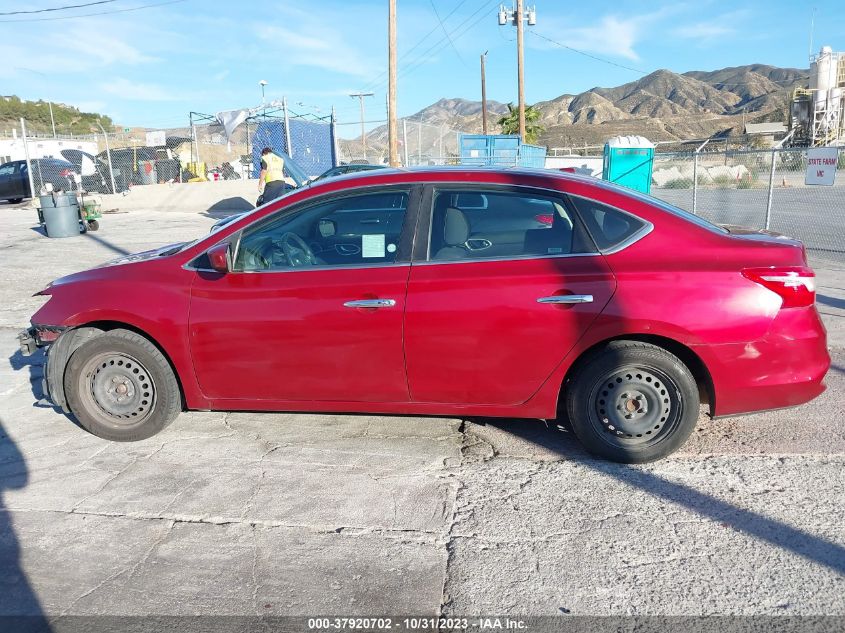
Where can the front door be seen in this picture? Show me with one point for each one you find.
(509, 283)
(313, 308)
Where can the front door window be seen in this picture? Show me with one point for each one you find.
(351, 230)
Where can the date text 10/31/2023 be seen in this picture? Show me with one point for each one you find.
(416, 623)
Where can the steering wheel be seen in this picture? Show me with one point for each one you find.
(297, 251)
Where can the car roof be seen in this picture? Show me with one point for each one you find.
(439, 173)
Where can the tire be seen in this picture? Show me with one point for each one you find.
(125, 365)
(93, 225)
(632, 402)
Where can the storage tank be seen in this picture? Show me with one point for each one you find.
(823, 70)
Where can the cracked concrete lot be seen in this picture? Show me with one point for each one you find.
(301, 514)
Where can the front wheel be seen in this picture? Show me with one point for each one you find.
(120, 387)
(632, 402)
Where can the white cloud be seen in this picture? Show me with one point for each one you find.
(611, 36)
(315, 42)
(721, 26)
(135, 91)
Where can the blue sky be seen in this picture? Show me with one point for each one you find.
(152, 66)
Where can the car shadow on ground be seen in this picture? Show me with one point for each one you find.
(20, 609)
(229, 206)
(553, 438)
(35, 364)
(832, 302)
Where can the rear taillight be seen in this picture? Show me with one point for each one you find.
(545, 218)
(795, 285)
(65, 173)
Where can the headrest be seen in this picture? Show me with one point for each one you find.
(455, 228)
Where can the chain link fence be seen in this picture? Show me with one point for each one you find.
(419, 144)
(761, 189)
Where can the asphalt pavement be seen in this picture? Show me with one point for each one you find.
(302, 514)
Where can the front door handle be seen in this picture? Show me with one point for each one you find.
(370, 303)
(566, 299)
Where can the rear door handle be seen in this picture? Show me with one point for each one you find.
(370, 303)
(566, 299)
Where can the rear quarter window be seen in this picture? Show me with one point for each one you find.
(609, 227)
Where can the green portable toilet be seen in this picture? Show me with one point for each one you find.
(628, 161)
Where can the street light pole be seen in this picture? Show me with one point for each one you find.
(52, 120)
(108, 156)
(360, 96)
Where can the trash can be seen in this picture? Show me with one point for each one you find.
(628, 161)
(147, 172)
(59, 213)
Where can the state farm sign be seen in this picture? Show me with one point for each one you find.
(821, 165)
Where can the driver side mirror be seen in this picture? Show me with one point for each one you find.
(219, 257)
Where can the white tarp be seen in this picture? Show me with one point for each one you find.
(231, 119)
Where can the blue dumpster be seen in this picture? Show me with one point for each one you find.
(500, 150)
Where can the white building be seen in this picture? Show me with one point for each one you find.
(13, 149)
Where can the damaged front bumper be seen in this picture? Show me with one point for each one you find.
(38, 336)
(58, 351)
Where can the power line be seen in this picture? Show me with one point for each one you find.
(446, 33)
(643, 72)
(440, 44)
(69, 6)
(375, 80)
(595, 57)
(463, 28)
(88, 15)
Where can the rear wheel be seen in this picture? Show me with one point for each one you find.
(120, 387)
(632, 402)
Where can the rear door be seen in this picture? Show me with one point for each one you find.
(7, 180)
(496, 301)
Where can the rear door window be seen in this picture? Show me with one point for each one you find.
(479, 223)
(609, 227)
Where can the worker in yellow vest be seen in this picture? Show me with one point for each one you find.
(272, 177)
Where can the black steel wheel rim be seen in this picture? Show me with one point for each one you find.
(635, 406)
(118, 389)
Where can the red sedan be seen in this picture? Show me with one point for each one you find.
(448, 292)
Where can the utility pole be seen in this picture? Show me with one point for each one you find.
(520, 36)
(360, 96)
(483, 95)
(517, 16)
(392, 125)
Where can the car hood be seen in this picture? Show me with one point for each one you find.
(163, 251)
(97, 272)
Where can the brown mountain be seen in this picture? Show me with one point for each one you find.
(663, 106)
